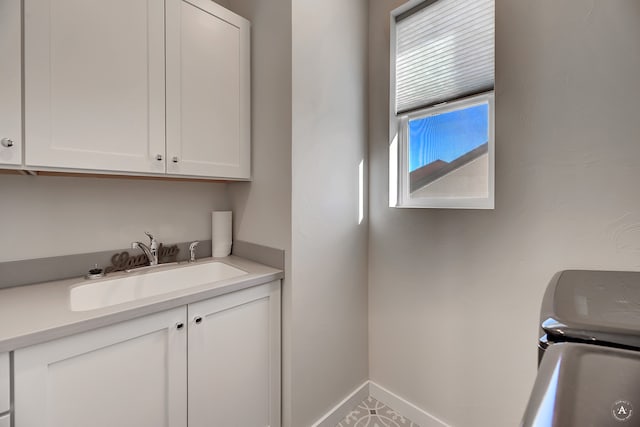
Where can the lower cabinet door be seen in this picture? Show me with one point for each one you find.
(131, 374)
(234, 359)
(5, 404)
(5, 420)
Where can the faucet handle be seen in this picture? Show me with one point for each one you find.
(192, 251)
(153, 244)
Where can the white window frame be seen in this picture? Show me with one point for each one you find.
(399, 145)
(454, 202)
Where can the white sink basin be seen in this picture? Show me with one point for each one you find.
(135, 286)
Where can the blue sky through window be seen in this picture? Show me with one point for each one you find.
(447, 136)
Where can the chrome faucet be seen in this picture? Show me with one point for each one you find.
(150, 251)
(192, 251)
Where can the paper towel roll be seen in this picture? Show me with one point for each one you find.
(221, 226)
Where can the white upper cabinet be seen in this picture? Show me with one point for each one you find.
(94, 84)
(208, 90)
(95, 77)
(10, 84)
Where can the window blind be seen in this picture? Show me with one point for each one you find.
(444, 51)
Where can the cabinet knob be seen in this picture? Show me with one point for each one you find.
(175, 159)
(159, 157)
(6, 142)
(179, 325)
(198, 320)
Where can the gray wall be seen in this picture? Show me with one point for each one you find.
(329, 247)
(263, 207)
(52, 216)
(454, 295)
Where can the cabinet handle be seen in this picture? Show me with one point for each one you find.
(6, 142)
(198, 320)
(159, 157)
(179, 325)
(175, 159)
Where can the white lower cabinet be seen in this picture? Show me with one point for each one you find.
(5, 405)
(234, 359)
(4, 383)
(213, 363)
(131, 374)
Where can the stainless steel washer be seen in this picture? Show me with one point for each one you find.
(588, 352)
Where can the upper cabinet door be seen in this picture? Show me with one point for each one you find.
(208, 90)
(10, 84)
(94, 84)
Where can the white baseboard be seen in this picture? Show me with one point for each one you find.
(342, 409)
(404, 407)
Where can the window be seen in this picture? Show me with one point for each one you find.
(442, 104)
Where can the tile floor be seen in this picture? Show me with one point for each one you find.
(371, 413)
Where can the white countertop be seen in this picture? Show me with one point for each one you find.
(36, 313)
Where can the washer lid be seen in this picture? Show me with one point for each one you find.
(582, 385)
(594, 306)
